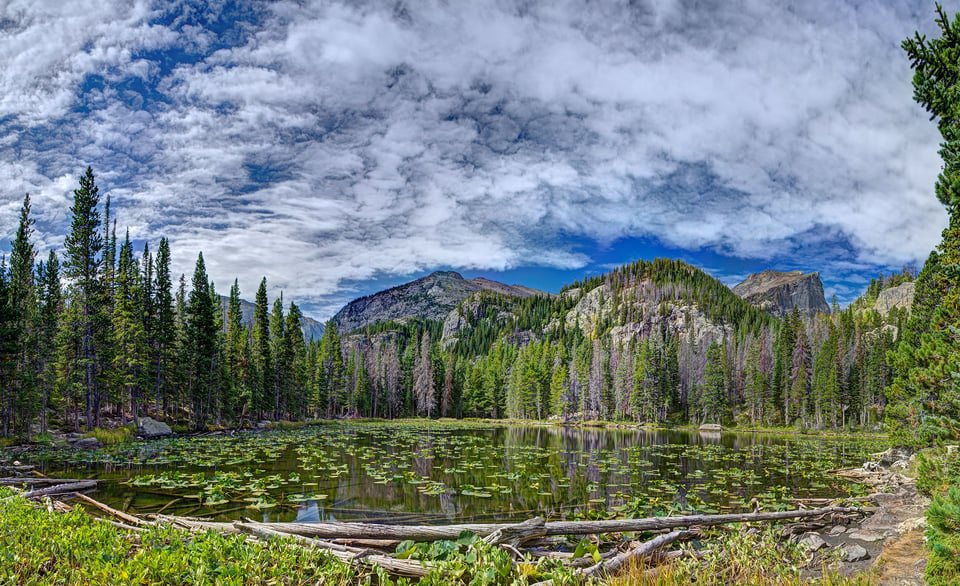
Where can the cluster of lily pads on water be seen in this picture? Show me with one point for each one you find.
(458, 471)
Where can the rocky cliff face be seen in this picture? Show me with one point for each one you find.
(900, 297)
(778, 293)
(431, 297)
(650, 311)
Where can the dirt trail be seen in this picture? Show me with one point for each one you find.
(889, 543)
(902, 561)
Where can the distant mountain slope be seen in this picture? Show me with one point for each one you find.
(310, 326)
(430, 297)
(778, 293)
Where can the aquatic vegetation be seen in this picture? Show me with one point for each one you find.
(443, 472)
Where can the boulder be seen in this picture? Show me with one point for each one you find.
(855, 553)
(711, 427)
(89, 443)
(149, 427)
(812, 542)
(864, 535)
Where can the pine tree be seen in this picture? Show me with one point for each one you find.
(164, 339)
(82, 269)
(9, 350)
(50, 307)
(202, 341)
(129, 358)
(262, 359)
(925, 393)
(23, 303)
(296, 353)
(278, 358)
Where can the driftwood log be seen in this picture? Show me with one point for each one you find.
(643, 550)
(350, 555)
(61, 489)
(437, 532)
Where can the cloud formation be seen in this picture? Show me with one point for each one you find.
(326, 143)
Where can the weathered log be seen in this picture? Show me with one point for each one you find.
(61, 489)
(351, 555)
(614, 564)
(436, 532)
(514, 535)
(110, 511)
(385, 544)
(15, 480)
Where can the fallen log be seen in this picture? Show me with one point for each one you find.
(514, 535)
(15, 480)
(61, 489)
(350, 555)
(614, 564)
(437, 532)
(111, 511)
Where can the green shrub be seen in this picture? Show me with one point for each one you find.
(109, 437)
(943, 538)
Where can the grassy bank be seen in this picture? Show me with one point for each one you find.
(46, 548)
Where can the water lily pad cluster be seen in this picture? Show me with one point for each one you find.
(457, 471)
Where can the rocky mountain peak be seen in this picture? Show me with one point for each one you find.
(778, 292)
(429, 297)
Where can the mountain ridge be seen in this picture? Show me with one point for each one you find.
(429, 297)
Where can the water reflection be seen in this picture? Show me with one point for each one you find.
(404, 473)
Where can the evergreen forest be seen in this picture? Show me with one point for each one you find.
(100, 330)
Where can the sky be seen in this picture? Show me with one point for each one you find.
(338, 148)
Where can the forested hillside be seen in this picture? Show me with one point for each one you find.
(98, 330)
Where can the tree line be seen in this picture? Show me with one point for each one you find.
(107, 332)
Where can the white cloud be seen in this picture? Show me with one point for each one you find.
(320, 143)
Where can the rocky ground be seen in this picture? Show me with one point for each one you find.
(889, 542)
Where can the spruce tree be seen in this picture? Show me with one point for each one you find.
(48, 316)
(263, 363)
(202, 341)
(82, 263)
(164, 339)
(925, 394)
(22, 299)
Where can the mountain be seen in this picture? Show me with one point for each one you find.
(778, 293)
(310, 326)
(430, 297)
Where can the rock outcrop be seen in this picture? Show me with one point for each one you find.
(900, 297)
(148, 427)
(430, 297)
(778, 293)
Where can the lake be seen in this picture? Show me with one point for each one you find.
(440, 472)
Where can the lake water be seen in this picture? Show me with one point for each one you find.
(419, 472)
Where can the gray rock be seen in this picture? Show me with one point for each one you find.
(711, 427)
(864, 535)
(149, 427)
(855, 553)
(900, 296)
(90, 443)
(837, 530)
(812, 541)
(778, 293)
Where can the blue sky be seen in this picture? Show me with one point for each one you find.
(338, 148)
